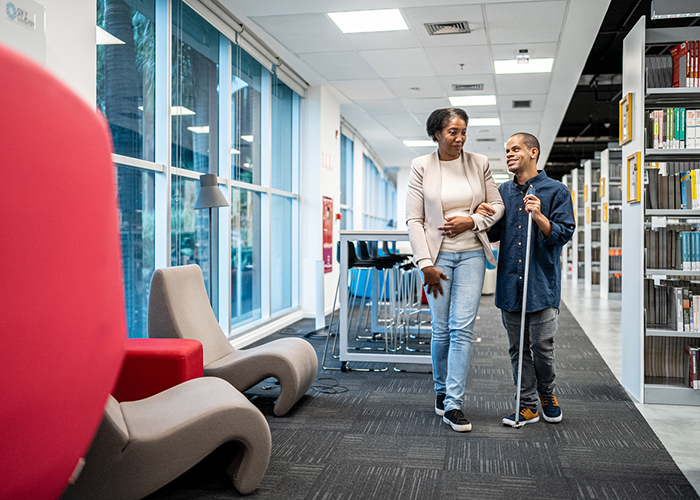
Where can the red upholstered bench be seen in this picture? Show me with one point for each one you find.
(154, 365)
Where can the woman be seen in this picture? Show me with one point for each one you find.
(450, 247)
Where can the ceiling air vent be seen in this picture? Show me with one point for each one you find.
(485, 139)
(522, 104)
(467, 86)
(453, 28)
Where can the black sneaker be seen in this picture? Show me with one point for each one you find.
(440, 404)
(527, 416)
(457, 420)
(550, 409)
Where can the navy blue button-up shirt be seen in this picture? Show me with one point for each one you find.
(544, 281)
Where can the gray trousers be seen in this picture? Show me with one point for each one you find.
(538, 352)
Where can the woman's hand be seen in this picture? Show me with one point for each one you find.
(432, 277)
(485, 209)
(456, 225)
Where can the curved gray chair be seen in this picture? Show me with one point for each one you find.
(178, 306)
(142, 445)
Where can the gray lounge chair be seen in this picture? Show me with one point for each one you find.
(179, 307)
(142, 445)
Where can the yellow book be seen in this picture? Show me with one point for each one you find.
(694, 186)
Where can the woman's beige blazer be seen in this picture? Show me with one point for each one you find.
(424, 203)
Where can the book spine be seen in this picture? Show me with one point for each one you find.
(686, 250)
(681, 128)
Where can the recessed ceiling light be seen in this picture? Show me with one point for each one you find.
(473, 100)
(104, 38)
(500, 178)
(181, 111)
(420, 144)
(247, 138)
(511, 66)
(485, 122)
(199, 130)
(365, 21)
(234, 151)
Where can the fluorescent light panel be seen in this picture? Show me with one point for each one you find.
(366, 21)
(247, 138)
(511, 66)
(234, 151)
(104, 38)
(420, 144)
(485, 122)
(181, 111)
(473, 100)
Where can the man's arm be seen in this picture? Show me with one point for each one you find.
(561, 220)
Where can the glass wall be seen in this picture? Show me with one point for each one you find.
(346, 179)
(380, 199)
(228, 114)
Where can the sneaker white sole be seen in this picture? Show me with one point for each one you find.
(511, 423)
(439, 411)
(552, 420)
(458, 428)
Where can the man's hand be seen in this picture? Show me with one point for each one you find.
(533, 205)
(456, 225)
(432, 277)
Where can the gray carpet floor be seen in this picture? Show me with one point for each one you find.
(380, 439)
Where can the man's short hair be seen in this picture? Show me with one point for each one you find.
(530, 141)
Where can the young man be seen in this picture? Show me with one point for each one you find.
(549, 202)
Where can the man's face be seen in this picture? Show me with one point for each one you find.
(518, 156)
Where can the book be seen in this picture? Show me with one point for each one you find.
(679, 55)
(693, 375)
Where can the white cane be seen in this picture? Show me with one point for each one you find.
(518, 424)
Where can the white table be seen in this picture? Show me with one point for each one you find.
(381, 357)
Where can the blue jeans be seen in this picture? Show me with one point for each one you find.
(453, 315)
(538, 352)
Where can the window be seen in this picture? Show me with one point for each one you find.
(195, 81)
(245, 257)
(346, 178)
(246, 75)
(126, 76)
(158, 186)
(282, 132)
(136, 193)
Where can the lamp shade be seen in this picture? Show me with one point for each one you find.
(210, 195)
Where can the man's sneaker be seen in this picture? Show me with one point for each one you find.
(550, 409)
(440, 404)
(457, 420)
(527, 416)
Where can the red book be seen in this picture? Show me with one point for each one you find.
(679, 55)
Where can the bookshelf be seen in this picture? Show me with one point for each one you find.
(578, 264)
(652, 358)
(567, 250)
(611, 223)
(591, 224)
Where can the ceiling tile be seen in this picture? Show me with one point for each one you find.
(474, 59)
(525, 22)
(386, 40)
(505, 102)
(418, 16)
(532, 83)
(339, 65)
(364, 89)
(521, 116)
(425, 106)
(381, 107)
(467, 79)
(398, 62)
(428, 87)
(535, 50)
(302, 33)
(402, 125)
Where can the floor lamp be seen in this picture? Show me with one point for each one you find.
(210, 196)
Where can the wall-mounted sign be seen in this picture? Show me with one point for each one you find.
(626, 119)
(634, 178)
(327, 234)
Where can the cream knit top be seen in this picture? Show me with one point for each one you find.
(457, 200)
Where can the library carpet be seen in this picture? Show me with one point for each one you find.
(382, 440)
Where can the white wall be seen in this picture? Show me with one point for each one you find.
(320, 176)
(70, 44)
